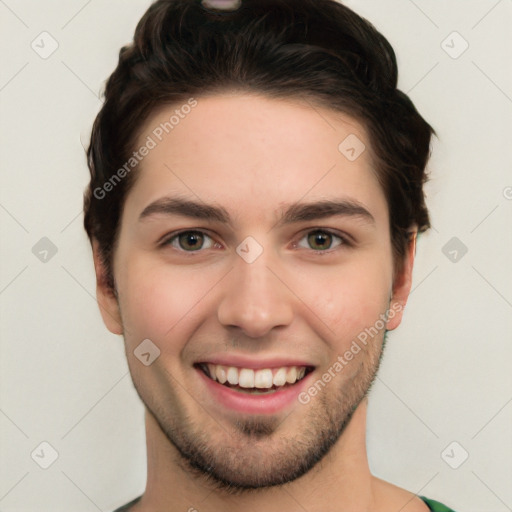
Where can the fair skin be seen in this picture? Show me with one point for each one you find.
(302, 301)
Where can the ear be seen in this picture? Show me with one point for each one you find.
(107, 299)
(402, 285)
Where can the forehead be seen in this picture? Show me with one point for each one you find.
(253, 154)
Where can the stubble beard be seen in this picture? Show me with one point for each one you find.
(254, 455)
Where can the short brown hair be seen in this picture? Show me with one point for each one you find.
(315, 49)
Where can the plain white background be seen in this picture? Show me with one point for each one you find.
(446, 374)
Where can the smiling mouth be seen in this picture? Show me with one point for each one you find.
(257, 382)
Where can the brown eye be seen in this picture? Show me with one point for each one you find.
(321, 240)
(190, 241)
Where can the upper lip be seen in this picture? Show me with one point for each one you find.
(243, 361)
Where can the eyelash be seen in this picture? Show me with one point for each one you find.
(345, 242)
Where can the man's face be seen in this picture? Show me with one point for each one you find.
(298, 292)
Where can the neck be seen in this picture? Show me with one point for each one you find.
(341, 477)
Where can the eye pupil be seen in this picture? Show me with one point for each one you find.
(190, 240)
(321, 238)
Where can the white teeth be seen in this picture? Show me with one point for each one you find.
(221, 374)
(232, 375)
(280, 377)
(249, 378)
(263, 379)
(212, 370)
(246, 378)
(291, 376)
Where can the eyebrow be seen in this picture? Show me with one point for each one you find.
(296, 212)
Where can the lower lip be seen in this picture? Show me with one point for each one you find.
(270, 403)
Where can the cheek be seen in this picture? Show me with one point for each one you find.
(347, 300)
(158, 300)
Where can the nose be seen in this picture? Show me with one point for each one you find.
(256, 298)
